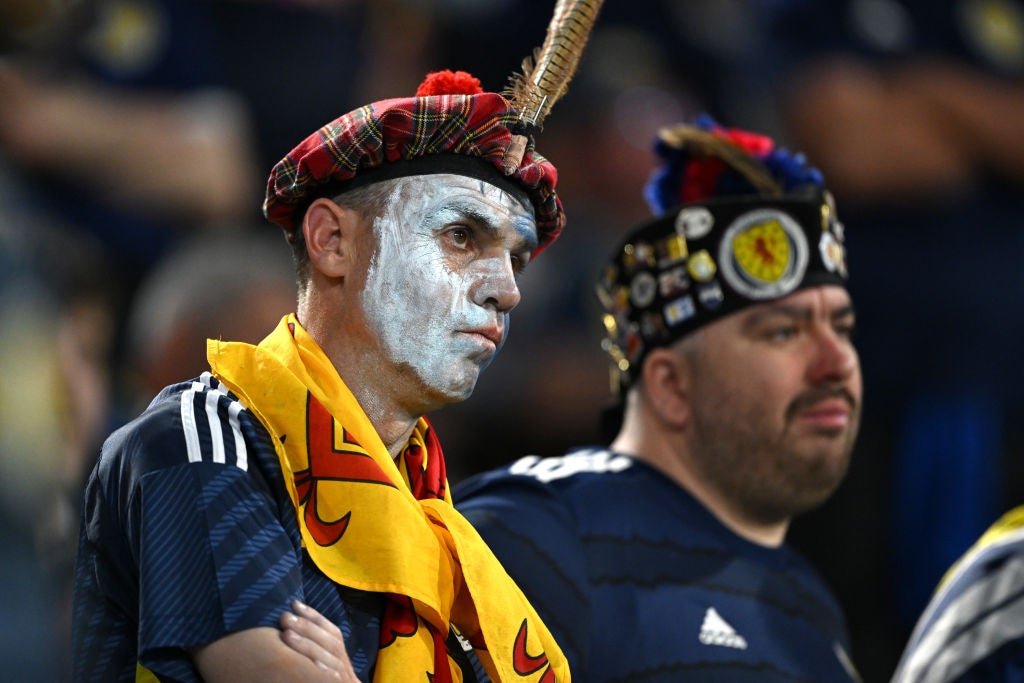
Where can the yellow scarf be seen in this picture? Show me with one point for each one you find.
(364, 528)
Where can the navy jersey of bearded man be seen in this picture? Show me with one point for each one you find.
(663, 557)
(301, 472)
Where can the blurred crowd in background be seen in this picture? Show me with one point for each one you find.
(136, 136)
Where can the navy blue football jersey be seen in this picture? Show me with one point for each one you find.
(188, 534)
(638, 582)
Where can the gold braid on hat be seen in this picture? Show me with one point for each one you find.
(546, 74)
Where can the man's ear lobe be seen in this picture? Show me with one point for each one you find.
(329, 229)
(666, 381)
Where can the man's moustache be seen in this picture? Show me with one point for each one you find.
(811, 398)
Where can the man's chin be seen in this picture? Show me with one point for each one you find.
(456, 390)
(824, 478)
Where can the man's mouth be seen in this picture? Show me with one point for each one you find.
(833, 413)
(830, 408)
(493, 334)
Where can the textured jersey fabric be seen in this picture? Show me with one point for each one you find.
(638, 582)
(187, 535)
(973, 628)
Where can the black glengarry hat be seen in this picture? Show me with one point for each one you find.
(739, 221)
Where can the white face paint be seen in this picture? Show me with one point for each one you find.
(442, 279)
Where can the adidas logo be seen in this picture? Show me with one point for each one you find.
(716, 631)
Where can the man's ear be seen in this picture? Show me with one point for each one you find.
(330, 232)
(666, 381)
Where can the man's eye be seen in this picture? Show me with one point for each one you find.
(784, 333)
(518, 263)
(459, 237)
(845, 330)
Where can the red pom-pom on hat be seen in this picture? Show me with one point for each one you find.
(449, 82)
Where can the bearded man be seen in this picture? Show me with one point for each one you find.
(663, 557)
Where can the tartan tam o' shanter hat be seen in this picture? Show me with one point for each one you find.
(740, 221)
(450, 126)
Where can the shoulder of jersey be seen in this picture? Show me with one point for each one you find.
(192, 421)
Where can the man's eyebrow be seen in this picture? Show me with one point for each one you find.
(779, 311)
(844, 311)
(484, 221)
(802, 313)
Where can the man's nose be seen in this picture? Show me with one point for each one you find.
(835, 358)
(496, 285)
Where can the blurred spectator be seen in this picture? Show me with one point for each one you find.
(121, 129)
(114, 140)
(54, 338)
(912, 109)
(973, 627)
(233, 287)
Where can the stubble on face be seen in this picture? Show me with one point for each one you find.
(769, 466)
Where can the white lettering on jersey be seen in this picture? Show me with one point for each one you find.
(549, 469)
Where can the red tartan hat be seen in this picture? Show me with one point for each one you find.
(412, 136)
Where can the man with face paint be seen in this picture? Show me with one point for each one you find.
(299, 477)
(450, 240)
(728, 322)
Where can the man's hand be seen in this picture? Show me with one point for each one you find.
(310, 649)
(311, 634)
